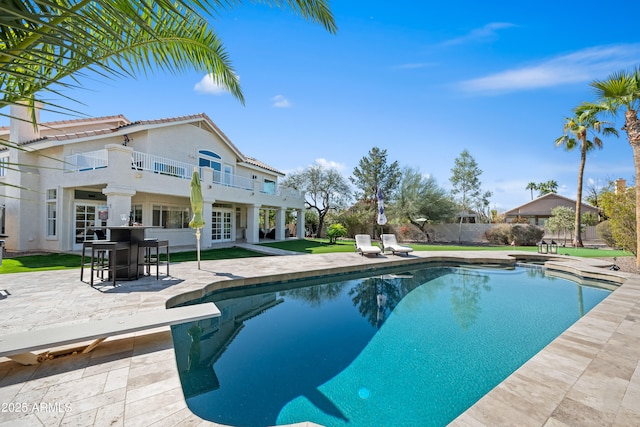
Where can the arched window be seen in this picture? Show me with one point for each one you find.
(211, 160)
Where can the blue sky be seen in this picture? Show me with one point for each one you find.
(423, 80)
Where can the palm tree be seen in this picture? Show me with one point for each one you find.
(44, 44)
(550, 186)
(531, 186)
(621, 92)
(576, 132)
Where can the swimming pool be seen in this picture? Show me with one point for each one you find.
(409, 347)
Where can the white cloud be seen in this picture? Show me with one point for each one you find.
(578, 67)
(487, 33)
(330, 164)
(208, 85)
(279, 101)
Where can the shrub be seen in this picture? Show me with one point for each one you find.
(603, 230)
(334, 231)
(621, 210)
(526, 235)
(523, 235)
(498, 235)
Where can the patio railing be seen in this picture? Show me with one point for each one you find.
(90, 160)
(98, 159)
(161, 165)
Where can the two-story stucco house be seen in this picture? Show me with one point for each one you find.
(73, 176)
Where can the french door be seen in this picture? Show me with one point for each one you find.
(221, 225)
(85, 221)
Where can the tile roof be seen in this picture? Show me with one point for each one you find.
(130, 124)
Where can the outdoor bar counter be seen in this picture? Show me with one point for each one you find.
(132, 235)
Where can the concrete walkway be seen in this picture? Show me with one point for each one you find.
(590, 375)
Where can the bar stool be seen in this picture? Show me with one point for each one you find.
(104, 257)
(87, 244)
(149, 258)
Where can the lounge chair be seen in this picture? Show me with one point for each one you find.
(389, 243)
(364, 246)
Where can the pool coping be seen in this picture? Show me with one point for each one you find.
(558, 386)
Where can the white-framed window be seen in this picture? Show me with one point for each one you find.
(52, 212)
(136, 211)
(4, 161)
(269, 186)
(171, 216)
(211, 160)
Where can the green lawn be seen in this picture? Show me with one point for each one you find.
(320, 246)
(66, 261)
(310, 246)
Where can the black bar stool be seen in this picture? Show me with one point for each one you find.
(104, 257)
(148, 258)
(87, 244)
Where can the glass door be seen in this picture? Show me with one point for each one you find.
(85, 221)
(221, 225)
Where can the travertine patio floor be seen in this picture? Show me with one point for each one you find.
(590, 375)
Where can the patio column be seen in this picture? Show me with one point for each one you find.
(280, 218)
(253, 213)
(119, 202)
(300, 223)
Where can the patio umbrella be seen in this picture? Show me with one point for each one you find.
(382, 218)
(197, 221)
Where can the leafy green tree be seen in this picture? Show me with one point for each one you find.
(576, 134)
(594, 197)
(465, 180)
(621, 210)
(372, 174)
(531, 186)
(620, 93)
(562, 219)
(420, 197)
(311, 221)
(334, 231)
(325, 189)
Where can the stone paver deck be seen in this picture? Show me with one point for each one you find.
(590, 375)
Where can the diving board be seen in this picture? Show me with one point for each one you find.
(19, 346)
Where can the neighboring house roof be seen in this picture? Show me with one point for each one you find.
(544, 204)
(66, 130)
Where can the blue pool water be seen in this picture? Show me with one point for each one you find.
(397, 349)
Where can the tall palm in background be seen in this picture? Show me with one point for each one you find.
(576, 132)
(621, 92)
(531, 186)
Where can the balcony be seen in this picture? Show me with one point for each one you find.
(98, 159)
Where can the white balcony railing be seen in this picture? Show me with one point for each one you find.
(161, 165)
(90, 160)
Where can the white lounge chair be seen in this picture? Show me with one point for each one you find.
(364, 246)
(389, 243)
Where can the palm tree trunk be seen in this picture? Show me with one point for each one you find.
(632, 127)
(577, 241)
